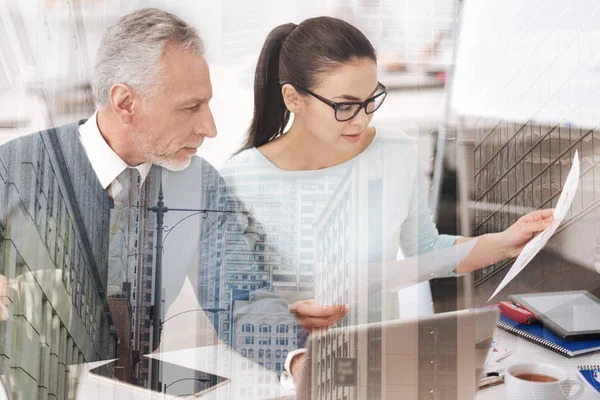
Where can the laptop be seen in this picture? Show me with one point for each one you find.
(436, 357)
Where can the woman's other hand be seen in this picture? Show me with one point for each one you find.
(514, 239)
(315, 316)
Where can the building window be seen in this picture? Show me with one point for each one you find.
(284, 278)
(248, 328)
(265, 328)
(285, 354)
(277, 366)
(307, 244)
(277, 353)
(282, 341)
(261, 353)
(249, 340)
(268, 353)
(307, 209)
(306, 268)
(251, 354)
(265, 341)
(282, 328)
(244, 353)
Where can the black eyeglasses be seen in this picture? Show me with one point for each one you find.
(347, 110)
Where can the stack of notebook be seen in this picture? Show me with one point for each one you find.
(539, 334)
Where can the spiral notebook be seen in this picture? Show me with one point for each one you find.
(544, 337)
(590, 374)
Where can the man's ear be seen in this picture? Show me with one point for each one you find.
(124, 102)
(292, 99)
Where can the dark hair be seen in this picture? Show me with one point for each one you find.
(299, 53)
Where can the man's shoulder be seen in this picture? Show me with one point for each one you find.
(63, 132)
(199, 163)
(199, 167)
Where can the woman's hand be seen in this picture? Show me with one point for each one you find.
(513, 239)
(315, 316)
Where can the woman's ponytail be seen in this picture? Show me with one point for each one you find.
(270, 113)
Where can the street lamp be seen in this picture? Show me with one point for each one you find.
(211, 310)
(203, 380)
(160, 210)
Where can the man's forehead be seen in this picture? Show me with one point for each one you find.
(193, 98)
(188, 71)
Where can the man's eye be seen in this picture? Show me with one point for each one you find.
(194, 108)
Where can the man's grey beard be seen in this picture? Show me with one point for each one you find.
(162, 161)
(170, 164)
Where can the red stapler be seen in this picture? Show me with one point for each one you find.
(517, 312)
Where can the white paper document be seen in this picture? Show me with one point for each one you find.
(539, 241)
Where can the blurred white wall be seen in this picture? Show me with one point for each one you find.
(47, 50)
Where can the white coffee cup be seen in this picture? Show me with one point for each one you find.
(520, 389)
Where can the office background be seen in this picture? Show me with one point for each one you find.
(495, 167)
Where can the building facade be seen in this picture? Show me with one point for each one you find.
(340, 282)
(120, 308)
(54, 252)
(142, 278)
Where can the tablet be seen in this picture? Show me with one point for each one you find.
(571, 315)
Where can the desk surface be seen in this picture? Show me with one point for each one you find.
(527, 352)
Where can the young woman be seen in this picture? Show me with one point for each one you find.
(332, 191)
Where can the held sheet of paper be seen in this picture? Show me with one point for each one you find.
(540, 240)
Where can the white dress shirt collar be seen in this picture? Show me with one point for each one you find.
(106, 163)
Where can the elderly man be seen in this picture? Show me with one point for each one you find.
(67, 188)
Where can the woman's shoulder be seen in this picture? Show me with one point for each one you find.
(244, 159)
(395, 148)
(394, 136)
(394, 141)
